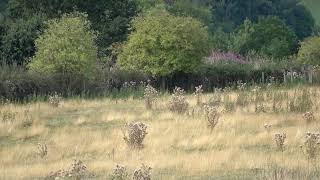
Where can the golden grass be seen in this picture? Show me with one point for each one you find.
(176, 147)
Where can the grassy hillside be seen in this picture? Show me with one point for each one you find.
(314, 6)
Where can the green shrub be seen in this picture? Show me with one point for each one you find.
(66, 46)
(163, 44)
(309, 52)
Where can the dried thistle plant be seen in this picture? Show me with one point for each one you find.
(142, 173)
(308, 117)
(134, 134)
(212, 116)
(27, 118)
(119, 173)
(267, 127)
(198, 94)
(311, 145)
(55, 100)
(178, 101)
(42, 150)
(280, 140)
(77, 170)
(150, 95)
(8, 116)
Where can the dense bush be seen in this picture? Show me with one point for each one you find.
(110, 17)
(309, 52)
(18, 84)
(270, 36)
(67, 46)
(17, 42)
(163, 44)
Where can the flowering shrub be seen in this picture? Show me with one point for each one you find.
(77, 170)
(280, 140)
(142, 173)
(55, 100)
(150, 95)
(212, 116)
(198, 93)
(42, 150)
(178, 101)
(311, 145)
(134, 134)
(119, 173)
(308, 117)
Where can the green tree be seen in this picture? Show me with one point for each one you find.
(309, 52)
(110, 18)
(229, 14)
(191, 8)
(270, 36)
(18, 36)
(163, 44)
(66, 46)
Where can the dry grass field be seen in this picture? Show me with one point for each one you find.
(177, 146)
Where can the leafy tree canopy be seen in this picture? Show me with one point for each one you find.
(231, 13)
(309, 52)
(269, 36)
(66, 46)
(163, 44)
(110, 17)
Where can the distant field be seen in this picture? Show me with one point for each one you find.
(314, 6)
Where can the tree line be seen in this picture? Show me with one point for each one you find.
(160, 38)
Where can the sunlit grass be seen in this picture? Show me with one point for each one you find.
(177, 146)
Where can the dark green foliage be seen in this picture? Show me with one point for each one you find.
(232, 13)
(17, 42)
(109, 17)
(300, 19)
(270, 36)
(195, 9)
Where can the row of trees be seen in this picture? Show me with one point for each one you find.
(163, 38)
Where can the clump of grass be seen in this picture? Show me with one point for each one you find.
(7, 116)
(27, 119)
(77, 170)
(267, 127)
(229, 105)
(119, 173)
(241, 86)
(308, 117)
(55, 100)
(134, 134)
(178, 102)
(280, 140)
(301, 102)
(142, 173)
(258, 99)
(42, 150)
(150, 95)
(311, 145)
(242, 99)
(260, 108)
(212, 116)
(198, 94)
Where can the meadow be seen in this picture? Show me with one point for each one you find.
(40, 138)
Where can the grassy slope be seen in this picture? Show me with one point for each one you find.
(177, 146)
(314, 6)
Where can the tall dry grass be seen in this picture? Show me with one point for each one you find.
(177, 146)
